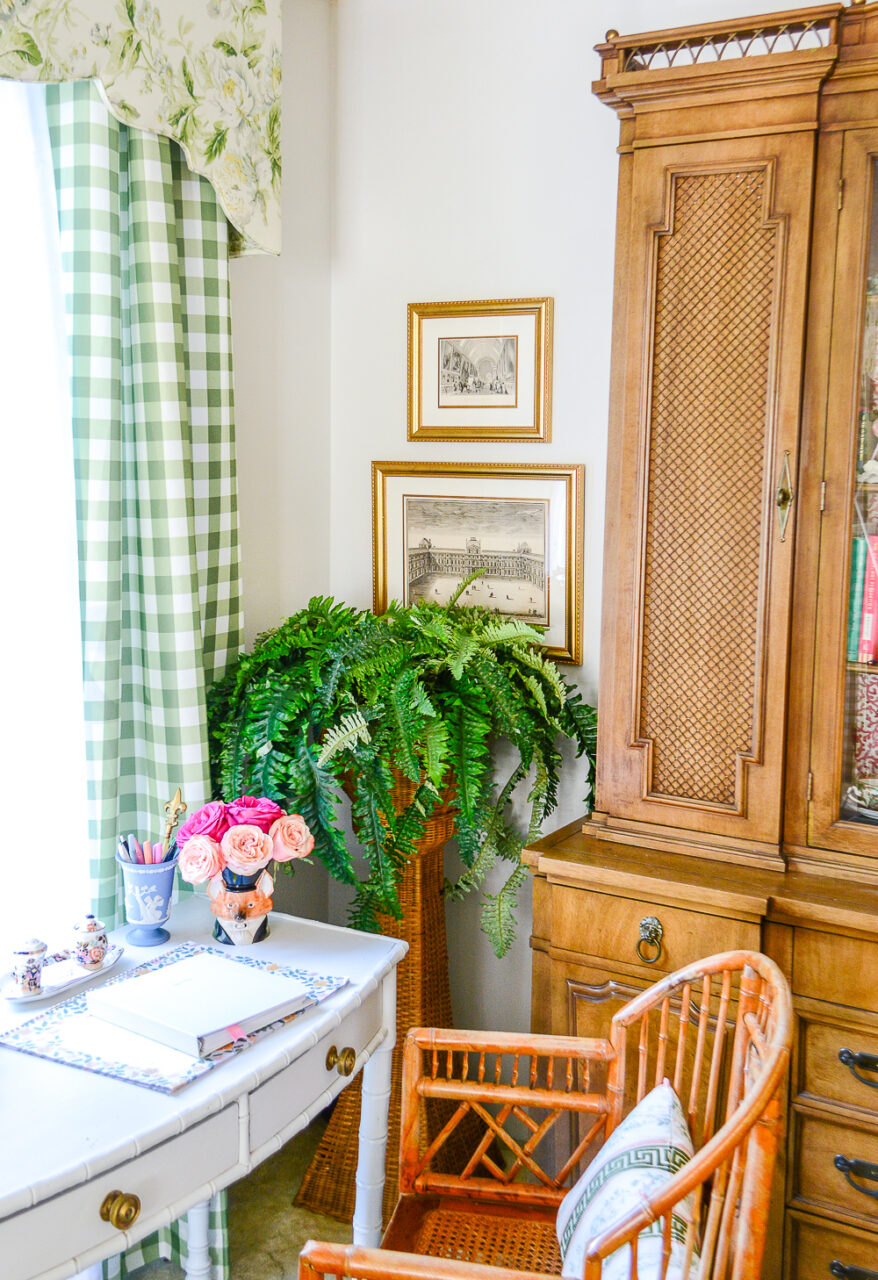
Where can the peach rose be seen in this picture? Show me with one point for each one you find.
(200, 859)
(291, 837)
(246, 849)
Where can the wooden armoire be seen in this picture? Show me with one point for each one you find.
(737, 774)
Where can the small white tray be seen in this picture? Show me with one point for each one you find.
(60, 973)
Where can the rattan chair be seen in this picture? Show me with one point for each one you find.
(719, 1030)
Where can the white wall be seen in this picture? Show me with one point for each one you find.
(280, 326)
(469, 160)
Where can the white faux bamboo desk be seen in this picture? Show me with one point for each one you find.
(69, 1136)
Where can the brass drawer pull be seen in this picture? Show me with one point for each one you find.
(343, 1060)
(858, 1169)
(842, 1272)
(120, 1209)
(865, 1061)
(650, 936)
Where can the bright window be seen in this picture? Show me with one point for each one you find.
(43, 840)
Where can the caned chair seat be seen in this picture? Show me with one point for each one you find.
(536, 1109)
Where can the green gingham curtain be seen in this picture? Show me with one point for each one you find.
(145, 260)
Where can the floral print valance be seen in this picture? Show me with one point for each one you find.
(204, 72)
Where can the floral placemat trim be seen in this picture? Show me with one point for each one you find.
(44, 1035)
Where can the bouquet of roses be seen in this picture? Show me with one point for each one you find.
(238, 840)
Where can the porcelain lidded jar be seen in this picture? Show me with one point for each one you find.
(27, 964)
(89, 942)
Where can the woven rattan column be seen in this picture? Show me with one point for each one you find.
(423, 999)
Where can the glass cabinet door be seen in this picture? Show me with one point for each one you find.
(858, 801)
(842, 801)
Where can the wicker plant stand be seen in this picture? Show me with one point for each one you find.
(423, 1000)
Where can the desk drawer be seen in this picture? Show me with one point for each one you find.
(68, 1225)
(822, 1074)
(599, 924)
(816, 1245)
(283, 1098)
(828, 966)
(817, 1180)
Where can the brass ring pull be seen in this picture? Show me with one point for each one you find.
(343, 1060)
(651, 932)
(120, 1209)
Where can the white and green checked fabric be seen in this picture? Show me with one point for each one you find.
(171, 1245)
(145, 259)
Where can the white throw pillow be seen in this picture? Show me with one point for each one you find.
(647, 1149)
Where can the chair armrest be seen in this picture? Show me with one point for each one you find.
(319, 1259)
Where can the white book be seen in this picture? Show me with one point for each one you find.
(200, 1003)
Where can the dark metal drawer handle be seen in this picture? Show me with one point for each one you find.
(851, 1273)
(858, 1169)
(650, 936)
(865, 1061)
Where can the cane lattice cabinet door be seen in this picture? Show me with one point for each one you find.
(737, 775)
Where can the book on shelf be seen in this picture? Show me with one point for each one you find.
(855, 598)
(866, 650)
(201, 1003)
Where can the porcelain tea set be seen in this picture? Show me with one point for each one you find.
(88, 950)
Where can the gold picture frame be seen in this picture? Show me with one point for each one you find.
(480, 370)
(434, 524)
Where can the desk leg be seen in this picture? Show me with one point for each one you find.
(373, 1129)
(198, 1254)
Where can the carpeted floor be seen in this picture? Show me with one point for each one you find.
(266, 1230)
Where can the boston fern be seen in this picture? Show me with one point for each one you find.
(337, 696)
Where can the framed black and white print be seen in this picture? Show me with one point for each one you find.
(436, 524)
(480, 370)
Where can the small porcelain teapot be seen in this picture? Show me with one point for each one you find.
(89, 942)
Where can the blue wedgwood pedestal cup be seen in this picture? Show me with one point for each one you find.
(148, 890)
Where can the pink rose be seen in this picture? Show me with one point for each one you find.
(200, 860)
(256, 811)
(211, 820)
(246, 849)
(292, 837)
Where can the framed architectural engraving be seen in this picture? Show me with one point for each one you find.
(480, 370)
(435, 524)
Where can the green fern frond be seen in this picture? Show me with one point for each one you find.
(537, 690)
(405, 724)
(511, 631)
(466, 582)
(314, 791)
(434, 742)
(460, 655)
(498, 913)
(351, 729)
(234, 763)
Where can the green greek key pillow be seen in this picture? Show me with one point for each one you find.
(650, 1145)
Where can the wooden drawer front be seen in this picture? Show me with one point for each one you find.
(841, 970)
(283, 1098)
(817, 1245)
(823, 1074)
(601, 925)
(817, 1181)
(67, 1225)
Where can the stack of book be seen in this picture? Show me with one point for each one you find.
(863, 600)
